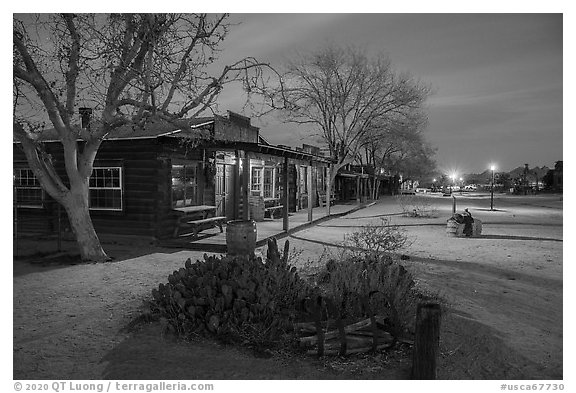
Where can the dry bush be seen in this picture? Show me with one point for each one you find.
(362, 287)
(416, 206)
(373, 240)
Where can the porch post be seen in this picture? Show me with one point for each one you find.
(237, 185)
(358, 189)
(285, 197)
(245, 190)
(328, 190)
(310, 199)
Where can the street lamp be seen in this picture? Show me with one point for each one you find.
(492, 168)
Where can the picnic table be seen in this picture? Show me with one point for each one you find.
(272, 207)
(197, 218)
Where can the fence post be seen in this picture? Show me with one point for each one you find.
(426, 341)
(15, 204)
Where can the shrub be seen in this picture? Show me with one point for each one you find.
(416, 206)
(365, 286)
(234, 298)
(373, 240)
(365, 279)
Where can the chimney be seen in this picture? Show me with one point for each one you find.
(85, 115)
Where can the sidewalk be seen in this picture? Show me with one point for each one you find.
(213, 241)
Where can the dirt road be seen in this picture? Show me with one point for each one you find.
(509, 281)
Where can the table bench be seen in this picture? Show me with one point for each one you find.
(204, 223)
(196, 218)
(272, 210)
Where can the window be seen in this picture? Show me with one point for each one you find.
(303, 180)
(184, 185)
(256, 186)
(268, 182)
(28, 192)
(106, 188)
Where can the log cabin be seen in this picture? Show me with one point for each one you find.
(144, 178)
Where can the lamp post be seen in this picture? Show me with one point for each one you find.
(492, 168)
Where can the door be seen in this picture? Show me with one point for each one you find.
(225, 190)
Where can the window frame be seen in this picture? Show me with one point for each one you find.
(42, 201)
(196, 185)
(260, 184)
(120, 187)
(271, 184)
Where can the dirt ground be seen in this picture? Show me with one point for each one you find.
(508, 282)
(503, 297)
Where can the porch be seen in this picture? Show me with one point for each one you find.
(212, 240)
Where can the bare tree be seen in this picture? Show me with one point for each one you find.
(130, 68)
(343, 95)
(394, 142)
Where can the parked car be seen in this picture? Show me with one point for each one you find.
(471, 187)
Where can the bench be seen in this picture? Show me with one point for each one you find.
(322, 199)
(272, 210)
(203, 224)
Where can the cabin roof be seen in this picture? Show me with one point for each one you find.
(152, 129)
(181, 128)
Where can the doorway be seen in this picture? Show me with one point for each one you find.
(225, 190)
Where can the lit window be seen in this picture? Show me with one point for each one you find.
(106, 188)
(269, 183)
(28, 193)
(184, 185)
(256, 185)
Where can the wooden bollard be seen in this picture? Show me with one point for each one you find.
(426, 342)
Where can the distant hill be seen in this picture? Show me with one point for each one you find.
(514, 173)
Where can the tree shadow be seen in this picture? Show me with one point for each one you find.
(509, 237)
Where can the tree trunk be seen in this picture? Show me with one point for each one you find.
(76, 206)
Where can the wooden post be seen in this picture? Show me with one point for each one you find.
(453, 204)
(245, 187)
(201, 179)
(15, 205)
(358, 189)
(328, 190)
(237, 186)
(310, 199)
(286, 196)
(426, 341)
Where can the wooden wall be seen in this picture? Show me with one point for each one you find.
(145, 190)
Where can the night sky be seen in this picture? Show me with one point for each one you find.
(497, 78)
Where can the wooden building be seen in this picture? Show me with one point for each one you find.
(143, 179)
